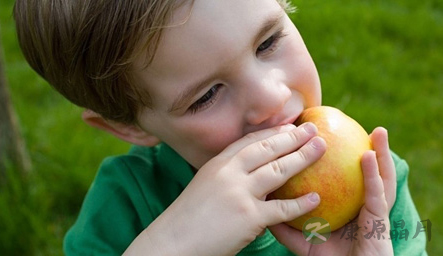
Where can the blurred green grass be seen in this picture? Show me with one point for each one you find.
(379, 61)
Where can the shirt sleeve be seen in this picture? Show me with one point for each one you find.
(404, 218)
(109, 219)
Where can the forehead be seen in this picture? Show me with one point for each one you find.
(206, 34)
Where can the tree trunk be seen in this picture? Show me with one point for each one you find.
(12, 147)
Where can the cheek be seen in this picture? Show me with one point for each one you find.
(214, 137)
(199, 144)
(302, 75)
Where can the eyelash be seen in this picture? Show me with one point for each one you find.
(269, 44)
(209, 98)
(206, 100)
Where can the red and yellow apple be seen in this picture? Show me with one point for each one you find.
(337, 177)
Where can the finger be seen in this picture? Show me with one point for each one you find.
(375, 200)
(386, 165)
(278, 211)
(251, 138)
(262, 152)
(273, 175)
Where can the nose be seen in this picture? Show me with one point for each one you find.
(266, 101)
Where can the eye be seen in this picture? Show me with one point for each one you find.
(206, 100)
(269, 44)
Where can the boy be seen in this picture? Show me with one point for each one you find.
(207, 91)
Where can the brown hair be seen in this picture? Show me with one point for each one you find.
(85, 49)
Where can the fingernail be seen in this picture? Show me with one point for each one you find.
(314, 197)
(317, 143)
(288, 127)
(310, 128)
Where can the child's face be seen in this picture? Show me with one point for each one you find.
(232, 68)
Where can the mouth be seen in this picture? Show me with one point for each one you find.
(273, 123)
(290, 120)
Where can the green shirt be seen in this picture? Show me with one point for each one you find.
(131, 190)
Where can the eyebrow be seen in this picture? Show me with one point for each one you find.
(272, 21)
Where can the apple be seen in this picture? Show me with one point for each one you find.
(337, 177)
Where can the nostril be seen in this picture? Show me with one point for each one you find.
(266, 117)
(266, 100)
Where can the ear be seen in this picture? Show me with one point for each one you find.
(128, 132)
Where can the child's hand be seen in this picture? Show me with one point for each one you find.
(223, 209)
(380, 193)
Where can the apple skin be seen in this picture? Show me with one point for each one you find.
(337, 177)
